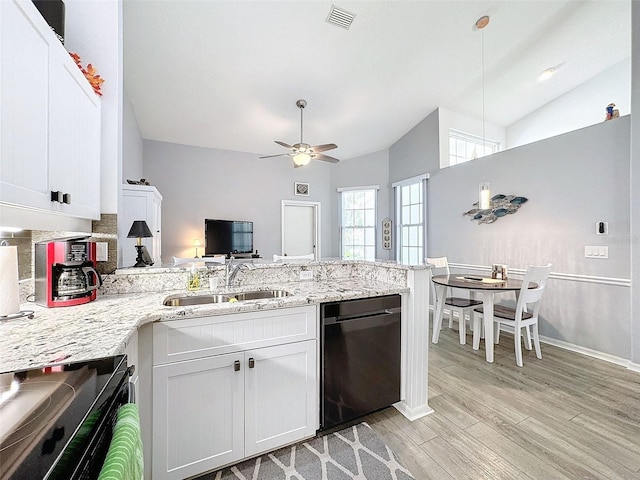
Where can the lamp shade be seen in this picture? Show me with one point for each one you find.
(139, 229)
(484, 201)
(301, 159)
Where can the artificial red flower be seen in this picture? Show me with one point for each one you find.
(90, 74)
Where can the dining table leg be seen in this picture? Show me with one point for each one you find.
(441, 291)
(487, 313)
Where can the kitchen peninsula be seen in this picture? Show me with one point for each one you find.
(131, 301)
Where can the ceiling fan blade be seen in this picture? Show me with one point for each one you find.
(285, 145)
(271, 156)
(324, 148)
(325, 158)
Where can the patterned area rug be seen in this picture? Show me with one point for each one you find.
(353, 453)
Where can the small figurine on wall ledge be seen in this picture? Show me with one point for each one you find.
(611, 112)
(142, 181)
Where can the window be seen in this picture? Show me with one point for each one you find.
(411, 219)
(464, 147)
(358, 223)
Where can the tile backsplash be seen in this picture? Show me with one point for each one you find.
(104, 230)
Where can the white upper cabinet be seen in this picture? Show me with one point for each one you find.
(49, 119)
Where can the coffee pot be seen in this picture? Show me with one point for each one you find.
(76, 281)
(65, 272)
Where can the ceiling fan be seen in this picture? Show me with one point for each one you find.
(302, 153)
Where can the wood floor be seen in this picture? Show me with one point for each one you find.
(566, 416)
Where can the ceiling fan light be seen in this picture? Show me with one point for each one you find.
(301, 159)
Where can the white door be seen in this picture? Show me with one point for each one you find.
(300, 228)
(198, 416)
(280, 396)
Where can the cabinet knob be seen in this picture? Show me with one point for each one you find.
(56, 196)
(252, 362)
(236, 365)
(66, 198)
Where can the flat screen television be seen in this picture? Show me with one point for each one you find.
(223, 237)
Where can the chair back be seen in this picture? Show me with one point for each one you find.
(440, 267)
(531, 296)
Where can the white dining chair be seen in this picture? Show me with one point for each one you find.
(459, 305)
(525, 314)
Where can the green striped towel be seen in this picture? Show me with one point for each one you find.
(124, 459)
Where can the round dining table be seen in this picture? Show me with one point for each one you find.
(487, 286)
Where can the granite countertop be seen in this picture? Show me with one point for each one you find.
(103, 327)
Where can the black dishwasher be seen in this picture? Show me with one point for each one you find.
(360, 351)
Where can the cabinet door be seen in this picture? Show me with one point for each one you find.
(198, 416)
(49, 119)
(24, 97)
(74, 139)
(281, 396)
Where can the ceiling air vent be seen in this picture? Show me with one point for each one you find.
(340, 17)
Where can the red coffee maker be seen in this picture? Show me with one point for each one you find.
(65, 272)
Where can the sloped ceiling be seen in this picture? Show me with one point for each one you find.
(227, 74)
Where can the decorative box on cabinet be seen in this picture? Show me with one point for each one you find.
(49, 120)
(139, 202)
(233, 400)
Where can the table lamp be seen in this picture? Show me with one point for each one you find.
(139, 230)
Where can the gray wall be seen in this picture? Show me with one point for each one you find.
(132, 144)
(417, 152)
(198, 183)
(572, 181)
(635, 181)
(371, 169)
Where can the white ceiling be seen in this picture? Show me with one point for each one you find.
(227, 74)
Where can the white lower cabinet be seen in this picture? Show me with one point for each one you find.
(198, 416)
(213, 411)
(280, 396)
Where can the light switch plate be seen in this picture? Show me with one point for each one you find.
(102, 251)
(596, 251)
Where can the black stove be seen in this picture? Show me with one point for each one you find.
(56, 421)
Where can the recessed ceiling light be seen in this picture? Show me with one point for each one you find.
(547, 74)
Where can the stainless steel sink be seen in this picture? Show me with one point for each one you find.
(222, 298)
(195, 300)
(261, 294)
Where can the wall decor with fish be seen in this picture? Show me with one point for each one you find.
(501, 205)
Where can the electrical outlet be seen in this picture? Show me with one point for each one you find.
(102, 251)
(306, 275)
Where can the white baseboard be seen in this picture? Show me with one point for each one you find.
(635, 367)
(591, 353)
(413, 413)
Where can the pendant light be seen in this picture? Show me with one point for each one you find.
(484, 194)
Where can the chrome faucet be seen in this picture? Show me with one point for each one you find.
(231, 271)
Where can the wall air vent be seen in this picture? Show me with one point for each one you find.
(340, 17)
